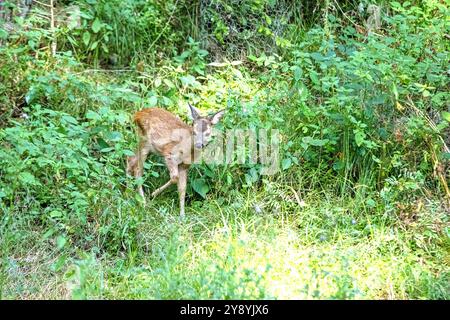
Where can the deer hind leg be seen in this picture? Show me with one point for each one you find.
(173, 171)
(182, 182)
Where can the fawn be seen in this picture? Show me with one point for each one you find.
(163, 133)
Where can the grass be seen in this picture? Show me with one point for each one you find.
(242, 247)
(357, 212)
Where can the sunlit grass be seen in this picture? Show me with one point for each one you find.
(219, 252)
(357, 212)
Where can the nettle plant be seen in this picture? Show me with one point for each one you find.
(116, 32)
(193, 58)
(64, 170)
(358, 103)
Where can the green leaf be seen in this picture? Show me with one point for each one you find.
(3, 34)
(28, 179)
(338, 165)
(252, 176)
(56, 214)
(188, 80)
(198, 69)
(314, 78)
(69, 119)
(96, 25)
(166, 101)
(128, 153)
(102, 144)
(152, 101)
(315, 142)
(154, 174)
(30, 95)
(200, 187)
(298, 72)
(105, 48)
(252, 58)
(446, 116)
(94, 46)
(92, 115)
(169, 83)
(360, 137)
(395, 91)
(286, 163)
(202, 53)
(114, 136)
(317, 56)
(48, 234)
(86, 38)
(59, 263)
(371, 203)
(396, 4)
(60, 241)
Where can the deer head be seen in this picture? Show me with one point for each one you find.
(202, 126)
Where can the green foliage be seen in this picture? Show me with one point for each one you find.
(358, 208)
(58, 167)
(193, 57)
(115, 32)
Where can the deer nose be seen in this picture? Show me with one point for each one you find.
(198, 145)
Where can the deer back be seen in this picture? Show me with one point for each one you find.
(164, 133)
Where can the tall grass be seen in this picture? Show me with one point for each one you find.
(359, 206)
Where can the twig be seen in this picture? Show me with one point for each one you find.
(430, 122)
(44, 4)
(52, 28)
(355, 24)
(433, 153)
(105, 70)
(438, 171)
(165, 27)
(345, 15)
(299, 202)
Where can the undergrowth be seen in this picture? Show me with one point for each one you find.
(359, 207)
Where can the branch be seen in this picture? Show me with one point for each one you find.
(43, 4)
(52, 28)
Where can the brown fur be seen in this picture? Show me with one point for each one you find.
(163, 133)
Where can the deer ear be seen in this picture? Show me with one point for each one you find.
(215, 118)
(194, 113)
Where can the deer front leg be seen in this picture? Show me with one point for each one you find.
(173, 171)
(144, 149)
(182, 182)
(135, 164)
